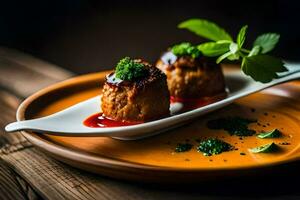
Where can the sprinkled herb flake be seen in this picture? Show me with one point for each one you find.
(270, 134)
(213, 146)
(267, 148)
(183, 147)
(233, 125)
(285, 143)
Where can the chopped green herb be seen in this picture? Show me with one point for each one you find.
(233, 125)
(186, 49)
(213, 146)
(129, 69)
(271, 134)
(183, 147)
(267, 148)
(254, 63)
(242, 154)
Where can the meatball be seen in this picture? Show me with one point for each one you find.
(192, 77)
(142, 99)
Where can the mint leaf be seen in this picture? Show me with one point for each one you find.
(262, 68)
(271, 134)
(241, 36)
(267, 148)
(212, 49)
(205, 29)
(267, 41)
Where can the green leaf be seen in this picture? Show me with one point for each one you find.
(242, 36)
(205, 29)
(223, 41)
(224, 56)
(263, 68)
(212, 49)
(271, 134)
(254, 51)
(267, 148)
(267, 41)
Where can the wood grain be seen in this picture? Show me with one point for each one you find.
(12, 186)
(9, 186)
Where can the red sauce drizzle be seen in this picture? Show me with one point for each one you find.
(190, 103)
(100, 121)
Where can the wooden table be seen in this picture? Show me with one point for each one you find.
(28, 173)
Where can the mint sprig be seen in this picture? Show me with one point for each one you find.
(254, 63)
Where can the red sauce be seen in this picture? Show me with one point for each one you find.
(100, 121)
(190, 103)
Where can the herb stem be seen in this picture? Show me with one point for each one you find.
(245, 50)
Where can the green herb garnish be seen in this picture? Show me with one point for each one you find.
(267, 148)
(233, 125)
(129, 69)
(186, 48)
(213, 146)
(271, 134)
(183, 147)
(254, 62)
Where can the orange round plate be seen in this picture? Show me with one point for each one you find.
(154, 159)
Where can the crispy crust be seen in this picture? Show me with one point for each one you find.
(141, 100)
(193, 78)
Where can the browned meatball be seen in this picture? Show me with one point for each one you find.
(139, 100)
(191, 77)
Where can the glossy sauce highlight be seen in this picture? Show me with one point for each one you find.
(100, 121)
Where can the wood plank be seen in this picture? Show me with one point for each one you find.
(8, 106)
(11, 185)
(54, 180)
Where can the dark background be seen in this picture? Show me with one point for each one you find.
(88, 35)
